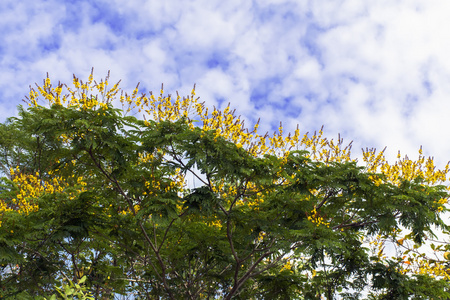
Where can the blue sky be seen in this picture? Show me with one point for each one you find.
(378, 72)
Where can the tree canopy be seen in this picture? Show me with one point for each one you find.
(158, 198)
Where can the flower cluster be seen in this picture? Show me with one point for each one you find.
(404, 168)
(30, 188)
(287, 266)
(317, 219)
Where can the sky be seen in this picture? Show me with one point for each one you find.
(377, 72)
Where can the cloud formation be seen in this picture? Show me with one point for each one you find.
(377, 72)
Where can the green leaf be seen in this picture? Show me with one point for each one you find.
(82, 280)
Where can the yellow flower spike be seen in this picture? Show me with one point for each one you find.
(91, 77)
(47, 82)
(135, 91)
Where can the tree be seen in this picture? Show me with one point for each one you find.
(89, 190)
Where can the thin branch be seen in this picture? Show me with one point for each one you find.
(165, 234)
(331, 193)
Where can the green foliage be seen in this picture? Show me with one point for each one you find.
(72, 290)
(254, 226)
